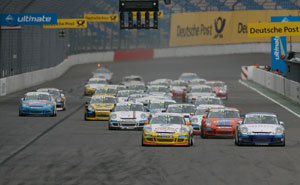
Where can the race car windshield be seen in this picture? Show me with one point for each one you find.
(260, 119)
(223, 114)
(38, 97)
(210, 101)
(103, 100)
(106, 91)
(204, 90)
(53, 92)
(136, 87)
(181, 109)
(97, 82)
(123, 94)
(216, 84)
(200, 112)
(167, 120)
(158, 89)
(180, 84)
(132, 107)
(132, 79)
(157, 105)
(102, 70)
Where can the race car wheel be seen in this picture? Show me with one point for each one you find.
(85, 117)
(237, 141)
(192, 141)
(20, 114)
(203, 134)
(143, 142)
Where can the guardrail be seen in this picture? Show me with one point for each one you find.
(274, 82)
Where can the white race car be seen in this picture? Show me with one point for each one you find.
(260, 129)
(128, 116)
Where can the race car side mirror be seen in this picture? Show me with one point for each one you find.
(62, 95)
(239, 122)
(22, 99)
(282, 123)
(188, 124)
(204, 117)
(146, 123)
(86, 104)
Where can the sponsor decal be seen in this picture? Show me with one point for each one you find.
(219, 27)
(101, 17)
(273, 29)
(68, 23)
(28, 19)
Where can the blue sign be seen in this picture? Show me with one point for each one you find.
(278, 44)
(28, 19)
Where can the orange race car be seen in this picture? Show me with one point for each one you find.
(220, 122)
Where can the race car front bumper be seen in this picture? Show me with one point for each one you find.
(174, 140)
(98, 115)
(196, 129)
(222, 96)
(261, 139)
(128, 124)
(44, 111)
(60, 105)
(219, 132)
(89, 91)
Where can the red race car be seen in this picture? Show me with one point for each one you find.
(220, 122)
(219, 87)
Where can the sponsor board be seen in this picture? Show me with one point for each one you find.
(68, 23)
(10, 27)
(28, 19)
(202, 28)
(101, 17)
(274, 29)
(3, 87)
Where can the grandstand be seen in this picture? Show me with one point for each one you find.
(33, 44)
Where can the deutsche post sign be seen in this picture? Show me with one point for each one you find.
(68, 23)
(101, 17)
(274, 29)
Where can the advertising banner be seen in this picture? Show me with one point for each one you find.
(228, 27)
(274, 29)
(68, 23)
(28, 19)
(101, 17)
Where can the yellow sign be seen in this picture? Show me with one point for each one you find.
(102, 17)
(273, 29)
(228, 27)
(68, 23)
(160, 14)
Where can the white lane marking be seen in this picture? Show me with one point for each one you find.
(283, 106)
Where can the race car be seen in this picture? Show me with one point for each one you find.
(197, 81)
(128, 116)
(187, 77)
(167, 129)
(185, 110)
(37, 103)
(99, 107)
(136, 86)
(159, 90)
(103, 72)
(260, 128)
(196, 91)
(60, 98)
(219, 87)
(220, 122)
(177, 88)
(132, 79)
(93, 84)
(197, 119)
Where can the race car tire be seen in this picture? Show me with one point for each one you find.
(20, 114)
(109, 127)
(237, 141)
(192, 141)
(143, 142)
(85, 118)
(203, 136)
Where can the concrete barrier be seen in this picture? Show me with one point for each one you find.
(26, 80)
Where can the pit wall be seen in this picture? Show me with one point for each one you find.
(277, 83)
(22, 81)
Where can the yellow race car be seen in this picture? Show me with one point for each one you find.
(99, 107)
(167, 129)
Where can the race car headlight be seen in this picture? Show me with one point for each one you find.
(279, 131)
(183, 130)
(222, 91)
(48, 105)
(113, 116)
(24, 105)
(194, 120)
(143, 116)
(90, 108)
(147, 129)
(243, 130)
(208, 123)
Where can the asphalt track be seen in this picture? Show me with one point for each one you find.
(73, 151)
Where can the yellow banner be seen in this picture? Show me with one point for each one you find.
(160, 14)
(68, 23)
(274, 29)
(230, 27)
(102, 17)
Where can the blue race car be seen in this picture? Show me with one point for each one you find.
(37, 103)
(260, 129)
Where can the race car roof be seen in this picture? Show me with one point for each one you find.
(260, 113)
